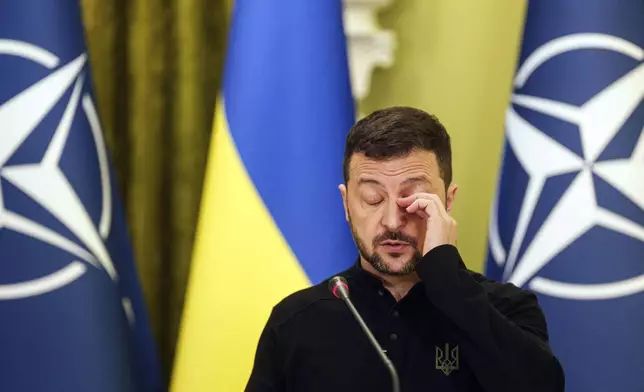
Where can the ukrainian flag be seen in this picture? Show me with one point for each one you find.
(272, 220)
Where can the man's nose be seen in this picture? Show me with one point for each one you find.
(394, 216)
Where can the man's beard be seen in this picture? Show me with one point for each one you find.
(376, 260)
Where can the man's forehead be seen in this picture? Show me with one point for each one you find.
(414, 166)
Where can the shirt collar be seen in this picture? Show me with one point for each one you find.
(363, 278)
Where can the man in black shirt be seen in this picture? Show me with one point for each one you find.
(445, 328)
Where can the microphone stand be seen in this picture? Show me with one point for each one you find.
(374, 342)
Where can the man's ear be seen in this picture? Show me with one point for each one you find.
(343, 193)
(450, 197)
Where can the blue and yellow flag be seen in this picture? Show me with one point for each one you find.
(71, 309)
(272, 220)
(569, 220)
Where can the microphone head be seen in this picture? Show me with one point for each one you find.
(339, 287)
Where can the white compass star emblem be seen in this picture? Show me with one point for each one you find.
(599, 120)
(44, 182)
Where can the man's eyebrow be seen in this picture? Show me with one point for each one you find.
(422, 179)
(417, 179)
(368, 181)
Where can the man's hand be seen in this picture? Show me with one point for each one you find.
(441, 228)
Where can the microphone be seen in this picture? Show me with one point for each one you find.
(340, 289)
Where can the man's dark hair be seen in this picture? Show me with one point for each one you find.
(395, 132)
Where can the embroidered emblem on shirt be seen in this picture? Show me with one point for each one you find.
(447, 359)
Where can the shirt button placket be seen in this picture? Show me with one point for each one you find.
(394, 335)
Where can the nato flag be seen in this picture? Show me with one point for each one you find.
(568, 222)
(72, 314)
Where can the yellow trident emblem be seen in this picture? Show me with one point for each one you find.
(447, 360)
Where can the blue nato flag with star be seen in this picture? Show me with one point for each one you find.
(73, 317)
(568, 222)
(272, 220)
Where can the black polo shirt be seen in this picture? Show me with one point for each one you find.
(454, 331)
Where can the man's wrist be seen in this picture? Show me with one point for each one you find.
(438, 261)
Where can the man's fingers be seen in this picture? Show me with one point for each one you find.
(409, 200)
(420, 195)
(405, 202)
(422, 207)
(420, 212)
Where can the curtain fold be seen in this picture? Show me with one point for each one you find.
(156, 67)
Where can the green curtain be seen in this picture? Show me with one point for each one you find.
(156, 68)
